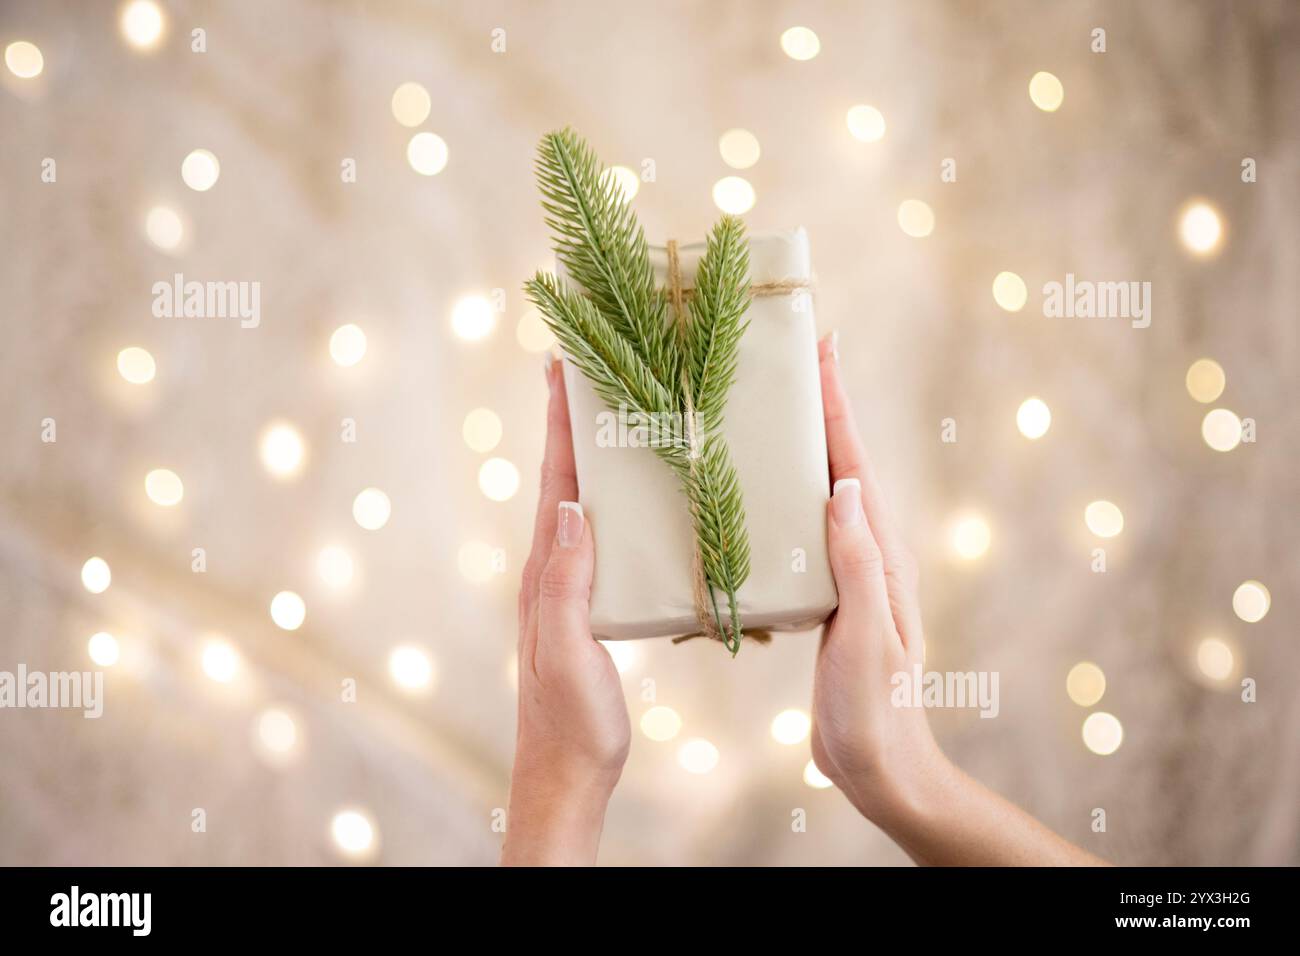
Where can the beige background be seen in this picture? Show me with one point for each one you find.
(287, 89)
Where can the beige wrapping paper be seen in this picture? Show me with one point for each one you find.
(776, 434)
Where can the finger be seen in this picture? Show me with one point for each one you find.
(848, 459)
(559, 482)
(857, 563)
(564, 586)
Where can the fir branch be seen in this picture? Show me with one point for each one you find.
(713, 336)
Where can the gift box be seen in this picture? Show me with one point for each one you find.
(643, 585)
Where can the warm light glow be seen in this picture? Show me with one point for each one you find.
(473, 318)
(1215, 659)
(739, 148)
(915, 218)
(348, 345)
(427, 153)
(1103, 519)
(136, 365)
(1200, 227)
(475, 560)
(624, 654)
(865, 123)
(733, 195)
(277, 733)
(482, 429)
(1085, 683)
(411, 104)
(791, 726)
(141, 24)
(200, 170)
(970, 537)
(103, 649)
(164, 487)
(353, 833)
(24, 59)
(1009, 291)
(814, 777)
(697, 756)
(1205, 380)
(410, 667)
(288, 611)
(800, 43)
(1102, 733)
(96, 576)
(282, 449)
(334, 565)
(1046, 91)
(220, 661)
(371, 509)
(164, 228)
(625, 180)
(1033, 418)
(1221, 429)
(661, 723)
(533, 333)
(1251, 601)
(498, 479)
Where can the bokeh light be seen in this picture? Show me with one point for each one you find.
(865, 123)
(371, 509)
(739, 148)
(335, 566)
(411, 668)
(348, 345)
(164, 487)
(1215, 659)
(164, 228)
(411, 104)
(970, 536)
(800, 43)
(473, 318)
(103, 649)
(1009, 291)
(661, 723)
(1251, 601)
(220, 660)
(625, 181)
(96, 575)
(200, 170)
(482, 429)
(623, 653)
(1221, 429)
(1205, 380)
(498, 479)
(24, 59)
(734, 195)
(354, 834)
(1200, 228)
(1046, 91)
(915, 218)
(1102, 733)
(136, 365)
(276, 734)
(288, 611)
(427, 153)
(697, 756)
(1103, 518)
(1085, 683)
(141, 23)
(282, 449)
(532, 332)
(791, 726)
(1033, 418)
(815, 778)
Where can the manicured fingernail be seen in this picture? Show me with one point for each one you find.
(547, 362)
(569, 531)
(835, 345)
(846, 502)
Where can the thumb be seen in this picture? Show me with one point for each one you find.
(855, 557)
(564, 589)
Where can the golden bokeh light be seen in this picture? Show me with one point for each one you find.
(200, 170)
(1215, 659)
(1221, 429)
(1103, 518)
(24, 59)
(661, 723)
(220, 660)
(1085, 683)
(623, 653)
(164, 487)
(865, 123)
(627, 182)
(498, 479)
(354, 833)
(1251, 601)
(532, 332)
(288, 611)
(348, 345)
(915, 218)
(1046, 91)
(734, 195)
(791, 726)
(1200, 227)
(800, 43)
(739, 148)
(142, 24)
(282, 449)
(1033, 418)
(697, 756)
(136, 365)
(164, 228)
(482, 430)
(411, 104)
(815, 778)
(371, 509)
(473, 318)
(276, 734)
(1102, 733)
(103, 649)
(335, 566)
(411, 668)
(1009, 291)
(1205, 380)
(427, 153)
(96, 575)
(970, 536)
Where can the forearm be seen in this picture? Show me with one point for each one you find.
(947, 818)
(555, 817)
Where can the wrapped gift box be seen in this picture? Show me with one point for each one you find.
(776, 434)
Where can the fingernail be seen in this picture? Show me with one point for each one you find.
(547, 362)
(569, 531)
(835, 345)
(846, 502)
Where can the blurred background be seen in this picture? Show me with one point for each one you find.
(309, 534)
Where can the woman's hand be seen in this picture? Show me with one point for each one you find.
(573, 733)
(882, 756)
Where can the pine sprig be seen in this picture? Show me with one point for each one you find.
(619, 336)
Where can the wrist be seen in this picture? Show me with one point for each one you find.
(556, 812)
(901, 799)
